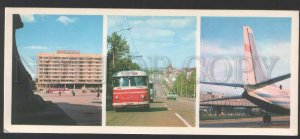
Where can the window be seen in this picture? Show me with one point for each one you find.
(138, 81)
(130, 81)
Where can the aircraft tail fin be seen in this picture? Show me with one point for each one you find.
(255, 73)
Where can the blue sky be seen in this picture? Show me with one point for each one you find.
(48, 33)
(157, 36)
(224, 36)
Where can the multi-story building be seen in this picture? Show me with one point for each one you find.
(69, 69)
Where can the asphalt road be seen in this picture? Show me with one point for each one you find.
(163, 112)
(84, 108)
(277, 122)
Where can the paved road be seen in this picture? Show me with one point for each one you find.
(277, 122)
(84, 108)
(163, 112)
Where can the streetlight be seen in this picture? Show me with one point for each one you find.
(124, 29)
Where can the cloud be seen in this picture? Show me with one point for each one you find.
(36, 47)
(28, 18)
(215, 49)
(152, 34)
(266, 49)
(163, 22)
(60, 47)
(152, 24)
(180, 22)
(65, 20)
(31, 64)
(172, 36)
(190, 36)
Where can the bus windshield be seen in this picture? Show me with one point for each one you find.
(130, 81)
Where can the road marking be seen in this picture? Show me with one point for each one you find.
(184, 121)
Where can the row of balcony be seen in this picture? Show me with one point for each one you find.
(69, 81)
(69, 72)
(70, 59)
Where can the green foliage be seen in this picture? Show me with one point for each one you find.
(185, 86)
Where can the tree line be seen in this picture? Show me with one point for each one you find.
(185, 85)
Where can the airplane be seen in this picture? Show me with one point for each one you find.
(258, 89)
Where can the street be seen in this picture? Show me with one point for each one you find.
(256, 122)
(84, 108)
(163, 112)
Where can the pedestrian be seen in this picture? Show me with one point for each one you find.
(73, 92)
(59, 93)
(98, 93)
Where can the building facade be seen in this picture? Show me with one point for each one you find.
(69, 69)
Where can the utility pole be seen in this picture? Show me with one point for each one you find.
(186, 93)
(181, 85)
(194, 90)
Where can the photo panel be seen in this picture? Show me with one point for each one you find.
(245, 78)
(151, 73)
(56, 69)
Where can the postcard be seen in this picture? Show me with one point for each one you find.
(158, 71)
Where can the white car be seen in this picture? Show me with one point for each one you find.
(171, 95)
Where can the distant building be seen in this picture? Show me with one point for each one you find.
(210, 95)
(168, 70)
(69, 69)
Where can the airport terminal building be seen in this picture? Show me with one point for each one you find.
(69, 69)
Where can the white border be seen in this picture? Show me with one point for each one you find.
(198, 65)
(293, 130)
(104, 53)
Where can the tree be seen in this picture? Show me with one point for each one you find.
(118, 59)
(185, 85)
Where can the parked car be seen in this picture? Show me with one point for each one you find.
(171, 95)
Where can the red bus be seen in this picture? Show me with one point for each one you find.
(130, 89)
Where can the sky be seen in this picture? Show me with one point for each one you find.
(223, 36)
(49, 33)
(157, 37)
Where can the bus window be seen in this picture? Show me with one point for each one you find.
(138, 81)
(124, 81)
(132, 81)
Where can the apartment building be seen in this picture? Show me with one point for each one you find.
(69, 69)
